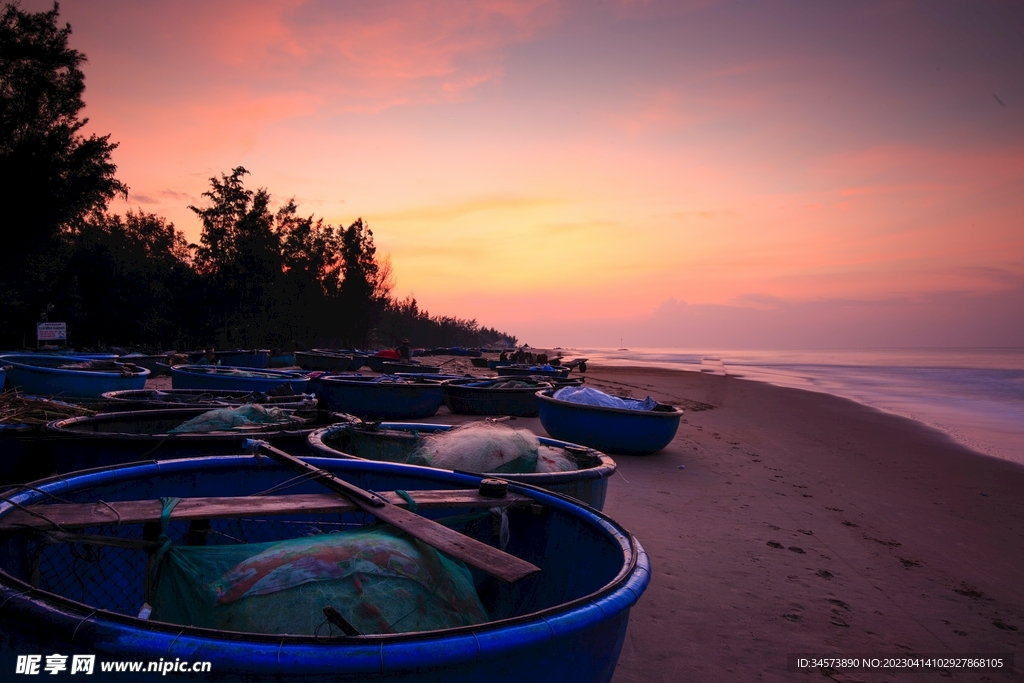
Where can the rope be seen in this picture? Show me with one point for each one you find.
(404, 495)
(163, 539)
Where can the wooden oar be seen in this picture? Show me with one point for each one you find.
(471, 551)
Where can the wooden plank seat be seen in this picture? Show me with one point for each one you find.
(81, 515)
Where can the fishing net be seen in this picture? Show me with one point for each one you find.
(551, 460)
(224, 419)
(489, 448)
(592, 397)
(378, 580)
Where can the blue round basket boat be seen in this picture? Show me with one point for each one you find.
(373, 400)
(41, 375)
(483, 396)
(614, 430)
(3, 375)
(229, 378)
(80, 594)
(396, 441)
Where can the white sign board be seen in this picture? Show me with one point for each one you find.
(51, 331)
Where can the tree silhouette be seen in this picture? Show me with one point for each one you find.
(52, 175)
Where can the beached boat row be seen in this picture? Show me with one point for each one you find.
(177, 543)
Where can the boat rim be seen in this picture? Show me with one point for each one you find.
(615, 532)
(64, 426)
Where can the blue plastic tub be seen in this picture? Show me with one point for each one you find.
(566, 623)
(219, 377)
(631, 432)
(369, 400)
(395, 441)
(39, 375)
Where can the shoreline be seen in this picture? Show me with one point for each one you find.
(972, 395)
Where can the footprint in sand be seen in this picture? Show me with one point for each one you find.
(773, 544)
(824, 573)
(797, 549)
(968, 591)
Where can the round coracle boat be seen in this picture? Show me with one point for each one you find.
(218, 377)
(236, 562)
(381, 398)
(70, 377)
(614, 430)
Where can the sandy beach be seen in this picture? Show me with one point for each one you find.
(806, 523)
(784, 521)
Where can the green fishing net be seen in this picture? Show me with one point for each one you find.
(226, 419)
(379, 580)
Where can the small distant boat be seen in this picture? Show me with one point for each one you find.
(156, 364)
(86, 590)
(70, 377)
(323, 360)
(370, 399)
(282, 360)
(394, 367)
(524, 370)
(493, 396)
(116, 438)
(613, 430)
(238, 358)
(231, 378)
(377, 360)
(396, 441)
(156, 399)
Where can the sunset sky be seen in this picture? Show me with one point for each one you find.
(740, 175)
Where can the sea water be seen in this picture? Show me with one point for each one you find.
(976, 396)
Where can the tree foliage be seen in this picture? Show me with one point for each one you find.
(53, 175)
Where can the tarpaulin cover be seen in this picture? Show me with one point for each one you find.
(592, 397)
